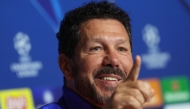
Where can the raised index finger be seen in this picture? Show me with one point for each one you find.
(134, 73)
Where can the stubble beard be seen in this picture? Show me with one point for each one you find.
(88, 90)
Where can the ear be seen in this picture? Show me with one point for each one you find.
(65, 66)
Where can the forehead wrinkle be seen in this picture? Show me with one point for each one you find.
(121, 41)
(110, 39)
(90, 29)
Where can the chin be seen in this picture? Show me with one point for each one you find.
(101, 98)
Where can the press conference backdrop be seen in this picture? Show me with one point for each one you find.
(29, 72)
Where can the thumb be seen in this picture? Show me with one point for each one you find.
(134, 73)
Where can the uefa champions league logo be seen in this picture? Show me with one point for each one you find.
(25, 67)
(154, 59)
(22, 44)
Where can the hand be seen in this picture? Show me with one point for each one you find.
(132, 93)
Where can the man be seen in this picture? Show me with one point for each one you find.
(95, 47)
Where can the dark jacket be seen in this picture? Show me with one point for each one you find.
(69, 100)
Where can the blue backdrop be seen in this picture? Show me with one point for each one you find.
(28, 45)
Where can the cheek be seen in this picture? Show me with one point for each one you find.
(127, 63)
(88, 63)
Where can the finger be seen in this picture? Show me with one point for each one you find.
(132, 103)
(137, 89)
(150, 89)
(134, 74)
(130, 88)
(147, 92)
(136, 93)
(126, 101)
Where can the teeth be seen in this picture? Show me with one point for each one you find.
(110, 78)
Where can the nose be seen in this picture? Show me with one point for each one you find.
(111, 59)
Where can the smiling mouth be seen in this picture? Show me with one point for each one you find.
(110, 75)
(109, 79)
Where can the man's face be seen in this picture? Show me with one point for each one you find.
(102, 59)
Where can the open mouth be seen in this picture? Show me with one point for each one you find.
(109, 79)
(107, 83)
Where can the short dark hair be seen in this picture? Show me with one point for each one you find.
(69, 36)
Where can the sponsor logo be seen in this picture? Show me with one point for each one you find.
(16, 99)
(25, 67)
(13, 102)
(154, 59)
(175, 89)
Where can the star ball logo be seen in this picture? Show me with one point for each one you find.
(154, 59)
(25, 67)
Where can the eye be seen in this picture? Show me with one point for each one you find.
(97, 48)
(122, 49)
